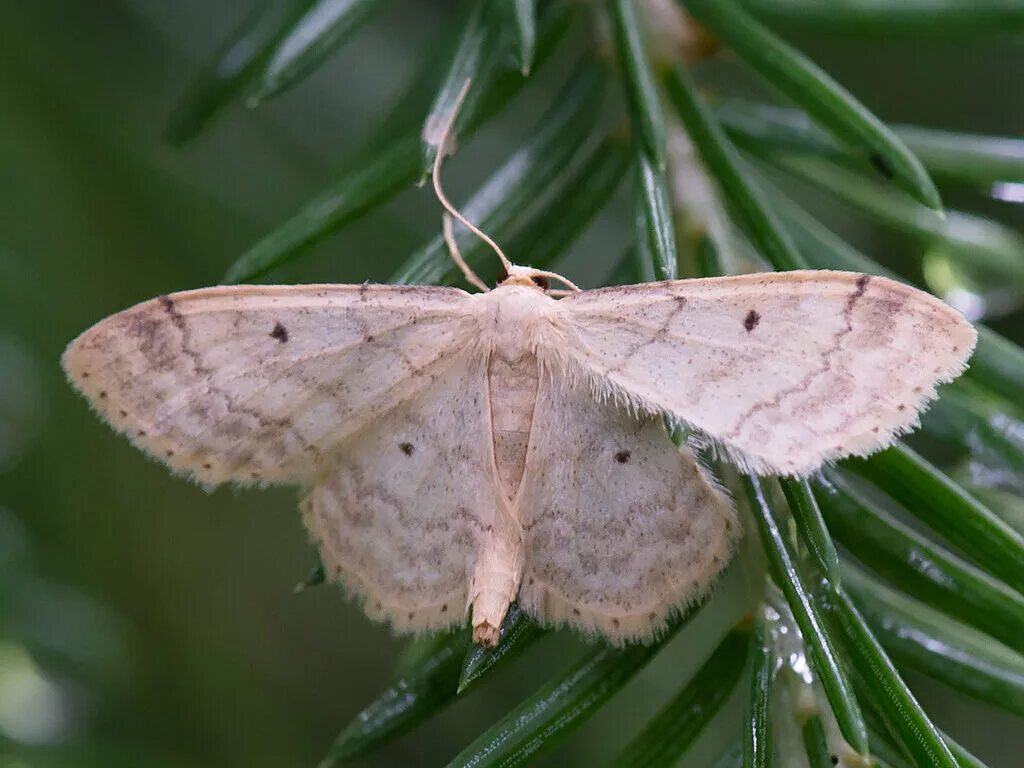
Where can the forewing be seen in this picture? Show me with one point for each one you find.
(257, 383)
(621, 527)
(784, 371)
(402, 509)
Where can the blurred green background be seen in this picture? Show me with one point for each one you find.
(144, 622)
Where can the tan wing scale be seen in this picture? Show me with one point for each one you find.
(255, 383)
(404, 510)
(784, 371)
(621, 528)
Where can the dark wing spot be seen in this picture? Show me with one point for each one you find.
(575, 611)
(103, 395)
(615, 623)
(881, 165)
(169, 454)
(751, 320)
(207, 466)
(280, 333)
(85, 374)
(123, 413)
(622, 457)
(444, 608)
(406, 448)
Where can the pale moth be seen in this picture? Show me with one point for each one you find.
(461, 451)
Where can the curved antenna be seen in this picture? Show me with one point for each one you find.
(436, 178)
(453, 251)
(554, 275)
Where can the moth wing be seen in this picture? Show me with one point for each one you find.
(621, 527)
(256, 383)
(402, 510)
(782, 371)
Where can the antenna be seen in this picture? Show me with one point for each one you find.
(453, 248)
(453, 251)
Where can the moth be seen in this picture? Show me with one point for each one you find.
(461, 451)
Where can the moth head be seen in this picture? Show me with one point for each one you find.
(533, 278)
(525, 276)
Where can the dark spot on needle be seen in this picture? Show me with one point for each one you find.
(406, 448)
(622, 457)
(751, 320)
(280, 333)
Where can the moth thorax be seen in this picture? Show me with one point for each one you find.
(518, 314)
